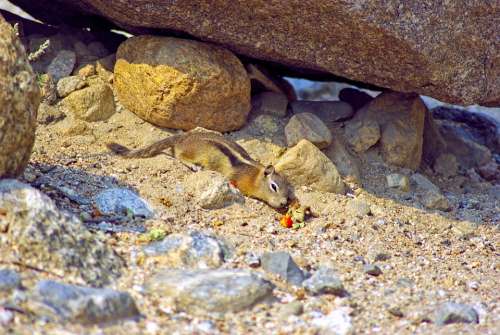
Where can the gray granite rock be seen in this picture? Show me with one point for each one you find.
(37, 230)
(202, 291)
(282, 264)
(122, 201)
(9, 280)
(62, 65)
(192, 250)
(82, 304)
(372, 269)
(451, 312)
(325, 281)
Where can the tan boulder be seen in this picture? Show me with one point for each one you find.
(401, 120)
(19, 100)
(305, 165)
(182, 84)
(93, 103)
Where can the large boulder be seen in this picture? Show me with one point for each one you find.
(182, 84)
(19, 100)
(447, 50)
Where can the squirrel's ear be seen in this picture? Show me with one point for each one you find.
(268, 170)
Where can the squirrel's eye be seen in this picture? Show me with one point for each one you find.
(273, 186)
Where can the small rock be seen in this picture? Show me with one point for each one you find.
(252, 260)
(433, 200)
(423, 183)
(372, 270)
(399, 181)
(354, 97)
(282, 264)
(306, 165)
(48, 114)
(204, 291)
(328, 111)
(69, 84)
(193, 250)
(82, 304)
(270, 103)
(292, 308)
(122, 201)
(337, 322)
(358, 207)
(310, 127)
(212, 190)
(362, 134)
(430, 195)
(446, 165)
(9, 280)
(37, 230)
(490, 171)
(62, 65)
(325, 281)
(93, 103)
(451, 312)
(86, 70)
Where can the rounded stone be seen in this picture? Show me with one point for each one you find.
(310, 127)
(182, 84)
(19, 98)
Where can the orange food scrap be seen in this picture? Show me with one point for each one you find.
(286, 221)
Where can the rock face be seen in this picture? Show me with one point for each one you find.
(182, 84)
(39, 233)
(19, 98)
(444, 50)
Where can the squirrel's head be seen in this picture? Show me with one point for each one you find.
(274, 188)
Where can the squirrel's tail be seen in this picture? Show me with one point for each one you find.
(149, 151)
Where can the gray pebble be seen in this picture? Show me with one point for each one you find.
(372, 270)
(325, 280)
(451, 312)
(282, 264)
(121, 201)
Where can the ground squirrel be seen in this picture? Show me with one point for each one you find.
(214, 152)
